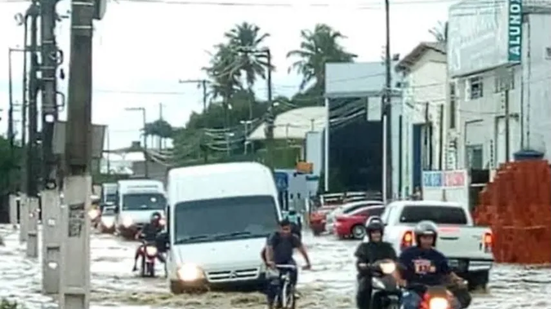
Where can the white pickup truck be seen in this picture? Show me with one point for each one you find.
(467, 247)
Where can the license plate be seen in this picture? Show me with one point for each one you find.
(460, 265)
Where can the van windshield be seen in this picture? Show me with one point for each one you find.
(436, 214)
(111, 198)
(224, 219)
(143, 201)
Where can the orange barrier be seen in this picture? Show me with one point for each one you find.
(517, 206)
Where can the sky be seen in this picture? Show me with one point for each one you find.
(142, 49)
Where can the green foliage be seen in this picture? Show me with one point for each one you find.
(6, 304)
(239, 63)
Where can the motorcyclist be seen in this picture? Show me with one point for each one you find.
(424, 266)
(149, 235)
(368, 253)
(279, 250)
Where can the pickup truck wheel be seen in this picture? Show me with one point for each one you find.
(358, 231)
(478, 280)
(176, 288)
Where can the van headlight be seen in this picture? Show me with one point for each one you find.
(190, 272)
(107, 223)
(127, 222)
(438, 303)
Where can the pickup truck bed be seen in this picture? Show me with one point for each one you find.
(467, 247)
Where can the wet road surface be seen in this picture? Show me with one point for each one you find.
(330, 284)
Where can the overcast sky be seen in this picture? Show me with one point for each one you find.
(141, 50)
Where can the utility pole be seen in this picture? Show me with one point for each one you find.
(32, 149)
(51, 212)
(387, 112)
(144, 123)
(506, 80)
(441, 139)
(270, 117)
(160, 144)
(11, 137)
(74, 288)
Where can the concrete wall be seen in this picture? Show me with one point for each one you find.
(425, 90)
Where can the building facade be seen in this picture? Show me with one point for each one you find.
(424, 110)
(500, 68)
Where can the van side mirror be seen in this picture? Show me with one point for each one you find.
(163, 241)
(117, 209)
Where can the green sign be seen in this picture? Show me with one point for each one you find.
(514, 48)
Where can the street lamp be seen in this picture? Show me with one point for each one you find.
(144, 122)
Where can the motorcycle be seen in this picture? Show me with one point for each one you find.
(437, 297)
(385, 286)
(149, 254)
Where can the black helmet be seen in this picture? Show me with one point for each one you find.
(425, 228)
(155, 217)
(374, 224)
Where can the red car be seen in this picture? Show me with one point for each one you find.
(352, 225)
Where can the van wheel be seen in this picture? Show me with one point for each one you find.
(176, 288)
(358, 231)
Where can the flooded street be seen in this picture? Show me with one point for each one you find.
(329, 285)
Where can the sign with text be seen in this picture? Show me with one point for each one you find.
(448, 179)
(515, 31)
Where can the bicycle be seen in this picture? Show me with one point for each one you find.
(285, 296)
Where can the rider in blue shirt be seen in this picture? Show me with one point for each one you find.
(424, 266)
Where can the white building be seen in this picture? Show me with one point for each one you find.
(424, 84)
(492, 47)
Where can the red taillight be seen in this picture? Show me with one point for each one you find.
(407, 240)
(487, 242)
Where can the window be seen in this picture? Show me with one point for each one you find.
(224, 219)
(476, 87)
(475, 157)
(452, 106)
(436, 214)
(368, 211)
(376, 211)
(143, 201)
(358, 206)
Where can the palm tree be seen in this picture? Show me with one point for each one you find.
(225, 74)
(318, 47)
(440, 32)
(247, 39)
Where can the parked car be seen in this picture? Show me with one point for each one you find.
(352, 225)
(468, 247)
(347, 209)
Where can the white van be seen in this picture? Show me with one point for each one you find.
(109, 193)
(219, 217)
(137, 200)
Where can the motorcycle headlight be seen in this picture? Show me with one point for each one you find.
(162, 221)
(127, 222)
(438, 303)
(388, 268)
(151, 251)
(190, 272)
(93, 213)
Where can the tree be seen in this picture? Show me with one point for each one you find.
(318, 47)
(224, 73)
(440, 32)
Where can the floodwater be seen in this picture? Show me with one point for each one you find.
(330, 284)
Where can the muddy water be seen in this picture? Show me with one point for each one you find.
(330, 284)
